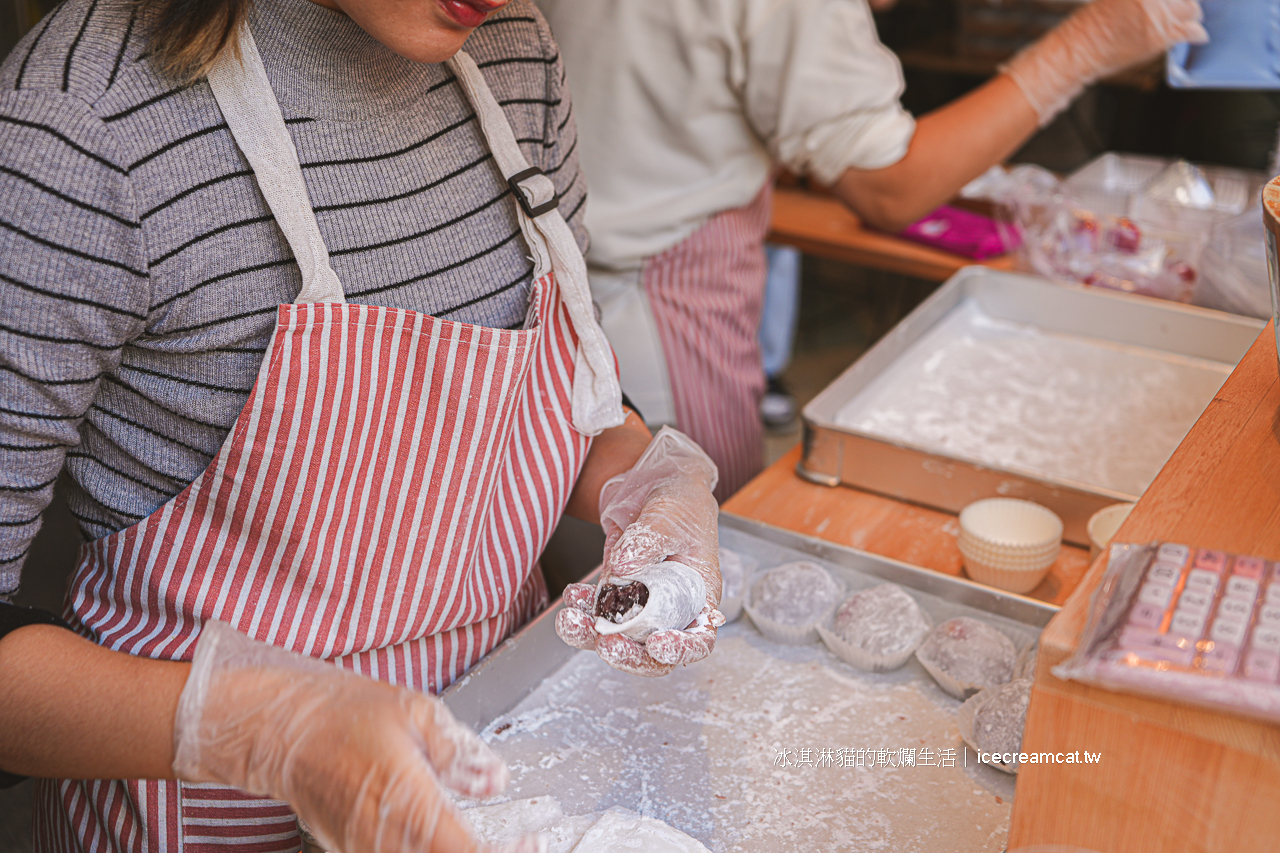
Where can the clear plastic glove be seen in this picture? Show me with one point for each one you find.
(362, 762)
(1103, 37)
(661, 509)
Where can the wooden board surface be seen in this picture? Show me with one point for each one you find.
(869, 522)
(821, 225)
(1173, 777)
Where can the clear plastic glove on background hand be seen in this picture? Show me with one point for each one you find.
(362, 762)
(661, 509)
(1104, 37)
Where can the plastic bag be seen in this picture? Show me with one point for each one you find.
(1234, 272)
(1195, 626)
(1137, 224)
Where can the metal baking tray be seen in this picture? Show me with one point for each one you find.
(1003, 384)
(706, 748)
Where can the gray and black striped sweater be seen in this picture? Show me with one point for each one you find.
(140, 269)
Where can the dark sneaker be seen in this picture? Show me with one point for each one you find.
(778, 408)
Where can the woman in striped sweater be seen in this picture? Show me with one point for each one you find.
(294, 304)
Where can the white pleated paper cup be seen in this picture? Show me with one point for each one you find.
(967, 714)
(1009, 543)
(781, 632)
(859, 657)
(1103, 526)
(737, 572)
(964, 721)
(731, 606)
(800, 632)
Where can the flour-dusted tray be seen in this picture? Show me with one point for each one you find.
(747, 750)
(1008, 384)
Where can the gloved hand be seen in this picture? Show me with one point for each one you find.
(661, 509)
(362, 762)
(1103, 37)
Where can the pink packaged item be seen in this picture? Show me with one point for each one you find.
(1191, 625)
(963, 232)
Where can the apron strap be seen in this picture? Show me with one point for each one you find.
(597, 396)
(244, 95)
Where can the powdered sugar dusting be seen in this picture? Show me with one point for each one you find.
(729, 751)
(1009, 396)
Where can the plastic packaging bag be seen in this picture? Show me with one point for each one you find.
(1234, 272)
(1195, 626)
(1137, 224)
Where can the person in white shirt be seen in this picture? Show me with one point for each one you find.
(685, 108)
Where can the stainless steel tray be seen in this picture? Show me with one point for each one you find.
(1006, 384)
(700, 748)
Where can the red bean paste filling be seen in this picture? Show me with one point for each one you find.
(619, 603)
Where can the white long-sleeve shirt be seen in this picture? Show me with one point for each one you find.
(684, 107)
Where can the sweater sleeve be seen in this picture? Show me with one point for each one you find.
(73, 291)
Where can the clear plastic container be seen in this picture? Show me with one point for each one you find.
(1113, 184)
(1234, 270)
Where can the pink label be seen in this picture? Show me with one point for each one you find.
(1266, 639)
(1223, 657)
(1174, 553)
(1189, 625)
(1235, 609)
(1239, 587)
(1202, 580)
(1249, 567)
(1261, 666)
(1146, 615)
(1214, 561)
(1227, 632)
(1195, 601)
(1164, 573)
(1156, 594)
(1133, 637)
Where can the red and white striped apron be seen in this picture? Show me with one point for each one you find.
(706, 294)
(380, 502)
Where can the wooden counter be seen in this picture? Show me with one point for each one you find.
(870, 522)
(819, 224)
(1172, 777)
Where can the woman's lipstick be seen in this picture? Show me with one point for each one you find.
(469, 13)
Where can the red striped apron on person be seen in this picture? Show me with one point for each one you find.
(381, 500)
(706, 294)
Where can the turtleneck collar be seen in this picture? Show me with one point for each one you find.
(322, 64)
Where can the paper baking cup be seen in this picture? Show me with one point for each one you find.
(977, 634)
(792, 635)
(1103, 525)
(732, 562)
(856, 656)
(860, 657)
(968, 712)
(964, 721)
(1009, 543)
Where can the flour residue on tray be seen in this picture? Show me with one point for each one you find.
(1012, 396)
(738, 751)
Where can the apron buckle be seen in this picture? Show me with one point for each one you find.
(528, 195)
